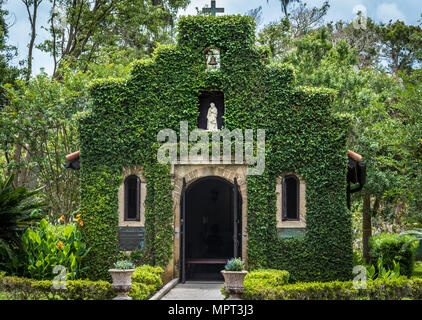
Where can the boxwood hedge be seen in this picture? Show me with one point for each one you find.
(398, 289)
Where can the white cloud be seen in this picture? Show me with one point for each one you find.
(389, 11)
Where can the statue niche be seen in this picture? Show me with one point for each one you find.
(211, 111)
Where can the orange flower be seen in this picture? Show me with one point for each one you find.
(60, 244)
(81, 223)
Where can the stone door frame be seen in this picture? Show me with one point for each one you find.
(191, 173)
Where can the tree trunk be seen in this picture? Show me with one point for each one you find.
(33, 22)
(366, 226)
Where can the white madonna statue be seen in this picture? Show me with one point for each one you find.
(212, 118)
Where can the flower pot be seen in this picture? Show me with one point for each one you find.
(233, 283)
(122, 282)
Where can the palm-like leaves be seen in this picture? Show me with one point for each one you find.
(17, 207)
(417, 233)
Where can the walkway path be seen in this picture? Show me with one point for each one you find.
(194, 290)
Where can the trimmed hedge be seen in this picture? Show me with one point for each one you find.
(391, 247)
(146, 280)
(336, 290)
(258, 280)
(17, 288)
(266, 277)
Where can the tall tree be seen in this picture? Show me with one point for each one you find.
(8, 73)
(303, 19)
(284, 5)
(82, 29)
(365, 42)
(401, 45)
(32, 11)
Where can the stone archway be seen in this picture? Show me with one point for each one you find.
(191, 173)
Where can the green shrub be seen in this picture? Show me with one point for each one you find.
(381, 273)
(146, 280)
(266, 277)
(262, 279)
(28, 289)
(19, 208)
(395, 289)
(393, 247)
(358, 259)
(50, 245)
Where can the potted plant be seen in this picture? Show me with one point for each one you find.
(122, 279)
(234, 272)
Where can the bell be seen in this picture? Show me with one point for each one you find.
(213, 61)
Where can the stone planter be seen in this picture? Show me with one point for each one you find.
(233, 283)
(122, 282)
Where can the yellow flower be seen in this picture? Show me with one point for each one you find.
(62, 218)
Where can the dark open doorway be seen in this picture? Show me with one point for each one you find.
(212, 218)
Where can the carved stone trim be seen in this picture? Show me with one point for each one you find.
(128, 171)
(302, 203)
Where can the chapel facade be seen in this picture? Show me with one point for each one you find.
(194, 212)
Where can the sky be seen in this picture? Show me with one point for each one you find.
(408, 11)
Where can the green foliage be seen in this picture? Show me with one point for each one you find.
(302, 136)
(124, 265)
(393, 249)
(417, 273)
(235, 264)
(403, 45)
(136, 26)
(381, 273)
(29, 289)
(146, 281)
(395, 289)
(265, 278)
(8, 74)
(138, 256)
(260, 280)
(48, 246)
(358, 258)
(18, 209)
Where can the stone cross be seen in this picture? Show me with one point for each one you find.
(213, 10)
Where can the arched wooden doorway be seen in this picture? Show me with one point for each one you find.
(210, 227)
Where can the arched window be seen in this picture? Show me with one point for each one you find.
(132, 198)
(290, 205)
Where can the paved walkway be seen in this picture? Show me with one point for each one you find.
(195, 290)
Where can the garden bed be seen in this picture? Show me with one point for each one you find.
(146, 280)
(272, 285)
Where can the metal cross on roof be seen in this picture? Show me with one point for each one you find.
(213, 10)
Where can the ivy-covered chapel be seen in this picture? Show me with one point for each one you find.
(190, 217)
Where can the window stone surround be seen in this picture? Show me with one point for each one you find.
(126, 172)
(301, 223)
